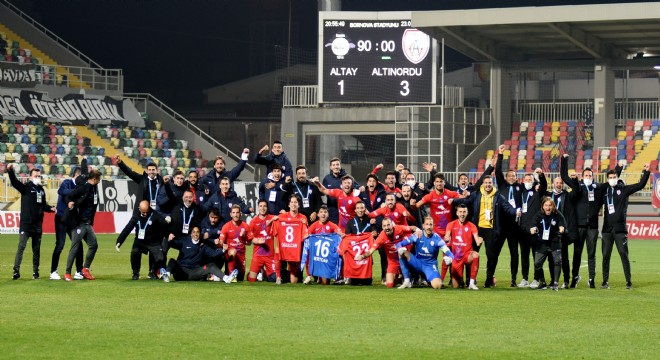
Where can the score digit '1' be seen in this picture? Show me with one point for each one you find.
(341, 87)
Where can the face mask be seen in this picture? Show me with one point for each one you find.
(411, 183)
(36, 181)
(587, 182)
(529, 186)
(612, 182)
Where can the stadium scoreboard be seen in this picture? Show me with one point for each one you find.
(375, 57)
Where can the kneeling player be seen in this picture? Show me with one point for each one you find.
(388, 238)
(235, 234)
(427, 244)
(195, 261)
(459, 235)
(263, 255)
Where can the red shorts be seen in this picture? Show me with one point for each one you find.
(293, 267)
(260, 261)
(393, 265)
(457, 266)
(238, 262)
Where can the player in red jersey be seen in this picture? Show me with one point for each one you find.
(358, 271)
(391, 179)
(389, 237)
(323, 225)
(235, 234)
(289, 231)
(459, 237)
(263, 254)
(439, 201)
(347, 197)
(393, 210)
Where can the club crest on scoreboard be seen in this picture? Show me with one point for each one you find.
(416, 45)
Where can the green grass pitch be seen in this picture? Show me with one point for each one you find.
(114, 317)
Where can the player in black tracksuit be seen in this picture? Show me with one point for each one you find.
(615, 198)
(150, 183)
(33, 206)
(150, 228)
(196, 260)
(530, 202)
(82, 203)
(512, 191)
(588, 204)
(548, 225)
(566, 202)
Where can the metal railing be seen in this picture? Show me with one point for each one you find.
(301, 96)
(562, 111)
(96, 78)
(636, 110)
(194, 128)
(453, 96)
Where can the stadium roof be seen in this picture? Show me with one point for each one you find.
(603, 31)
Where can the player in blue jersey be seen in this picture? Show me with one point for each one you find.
(428, 245)
(323, 255)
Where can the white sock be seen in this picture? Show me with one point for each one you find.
(471, 281)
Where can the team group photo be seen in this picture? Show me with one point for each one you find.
(487, 170)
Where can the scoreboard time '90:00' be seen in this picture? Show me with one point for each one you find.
(376, 61)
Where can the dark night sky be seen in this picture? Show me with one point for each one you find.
(176, 48)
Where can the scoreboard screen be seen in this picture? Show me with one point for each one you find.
(375, 58)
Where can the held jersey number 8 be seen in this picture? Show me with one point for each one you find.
(289, 234)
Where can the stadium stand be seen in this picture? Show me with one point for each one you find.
(540, 144)
(17, 49)
(151, 144)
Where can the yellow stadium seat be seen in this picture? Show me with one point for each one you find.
(621, 135)
(10, 147)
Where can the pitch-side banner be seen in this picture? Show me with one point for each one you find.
(655, 187)
(116, 201)
(17, 75)
(74, 109)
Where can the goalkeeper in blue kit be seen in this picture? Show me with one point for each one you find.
(428, 245)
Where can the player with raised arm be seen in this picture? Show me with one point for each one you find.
(439, 201)
(459, 237)
(346, 198)
(428, 245)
